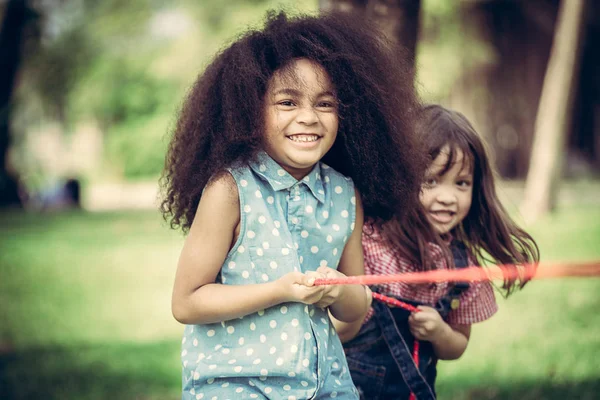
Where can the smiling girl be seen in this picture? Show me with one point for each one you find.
(273, 145)
(459, 205)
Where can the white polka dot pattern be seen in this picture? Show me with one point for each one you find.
(286, 225)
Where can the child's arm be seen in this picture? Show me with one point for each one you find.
(347, 303)
(196, 298)
(449, 341)
(348, 330)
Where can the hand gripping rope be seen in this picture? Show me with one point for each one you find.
(472, 274)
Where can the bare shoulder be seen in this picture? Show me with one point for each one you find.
(222, 188)
(220, 200)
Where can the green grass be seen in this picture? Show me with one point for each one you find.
(544, 343)
(85, 307)
(85, 314)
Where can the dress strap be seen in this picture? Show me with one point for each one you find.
(451, 300)
(401, 353)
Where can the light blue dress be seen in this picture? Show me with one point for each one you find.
(289, 351)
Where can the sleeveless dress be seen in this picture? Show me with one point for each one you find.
(289, 351)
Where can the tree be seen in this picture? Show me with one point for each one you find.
(17, 16)
(554, 112)
(494, 55)
(398, 19)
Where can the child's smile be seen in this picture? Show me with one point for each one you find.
(442, 217)
(447, 197)
(301, 117)
(304, 138)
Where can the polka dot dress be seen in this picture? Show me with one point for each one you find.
(289, 351)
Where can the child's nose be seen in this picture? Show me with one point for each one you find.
(306, 115)
(446, 197)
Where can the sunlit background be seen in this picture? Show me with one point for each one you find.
(89, 92)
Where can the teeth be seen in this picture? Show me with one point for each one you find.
(304, 138)
(442, 212)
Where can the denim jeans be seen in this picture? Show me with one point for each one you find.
(380, 358)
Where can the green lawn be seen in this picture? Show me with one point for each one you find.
(85, 314)
(544, 343)
(85, 307)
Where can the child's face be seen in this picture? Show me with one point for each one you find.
(301, 118)
(447, 198)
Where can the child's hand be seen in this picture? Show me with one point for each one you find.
(427, 324)
(299, 287)
(369, 296)
(331, 292)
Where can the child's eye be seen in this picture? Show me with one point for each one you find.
(286, 103)
(430, 182)
(463, 184)
(326, 104)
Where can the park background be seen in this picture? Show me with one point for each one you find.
(89, 92)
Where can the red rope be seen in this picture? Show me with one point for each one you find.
(475, 274)
(395, 302)
(416, 358)
(411, 308)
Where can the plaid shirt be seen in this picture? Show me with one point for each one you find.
(476, 304)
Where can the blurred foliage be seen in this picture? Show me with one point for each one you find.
(57, 67)
(446, 49)
(124, 67)
(128, 93)
(138, 148)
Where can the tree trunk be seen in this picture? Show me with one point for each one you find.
(16, 16)
(555, 112)
(500, 92)
(397, 19)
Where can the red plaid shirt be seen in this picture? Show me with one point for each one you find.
(476, 303)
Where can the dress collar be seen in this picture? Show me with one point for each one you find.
(280, 179)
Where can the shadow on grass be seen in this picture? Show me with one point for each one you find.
(539, 390)
(105, 371)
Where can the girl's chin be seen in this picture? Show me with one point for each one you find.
(441, 229)
(302, 160)
(298, 168)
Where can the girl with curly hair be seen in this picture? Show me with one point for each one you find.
(289, 137)
(460, 206)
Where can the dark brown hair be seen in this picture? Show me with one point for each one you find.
(410, 236)
(220, 122)
(487, 230)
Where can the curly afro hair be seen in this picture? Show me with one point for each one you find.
(220, 122)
